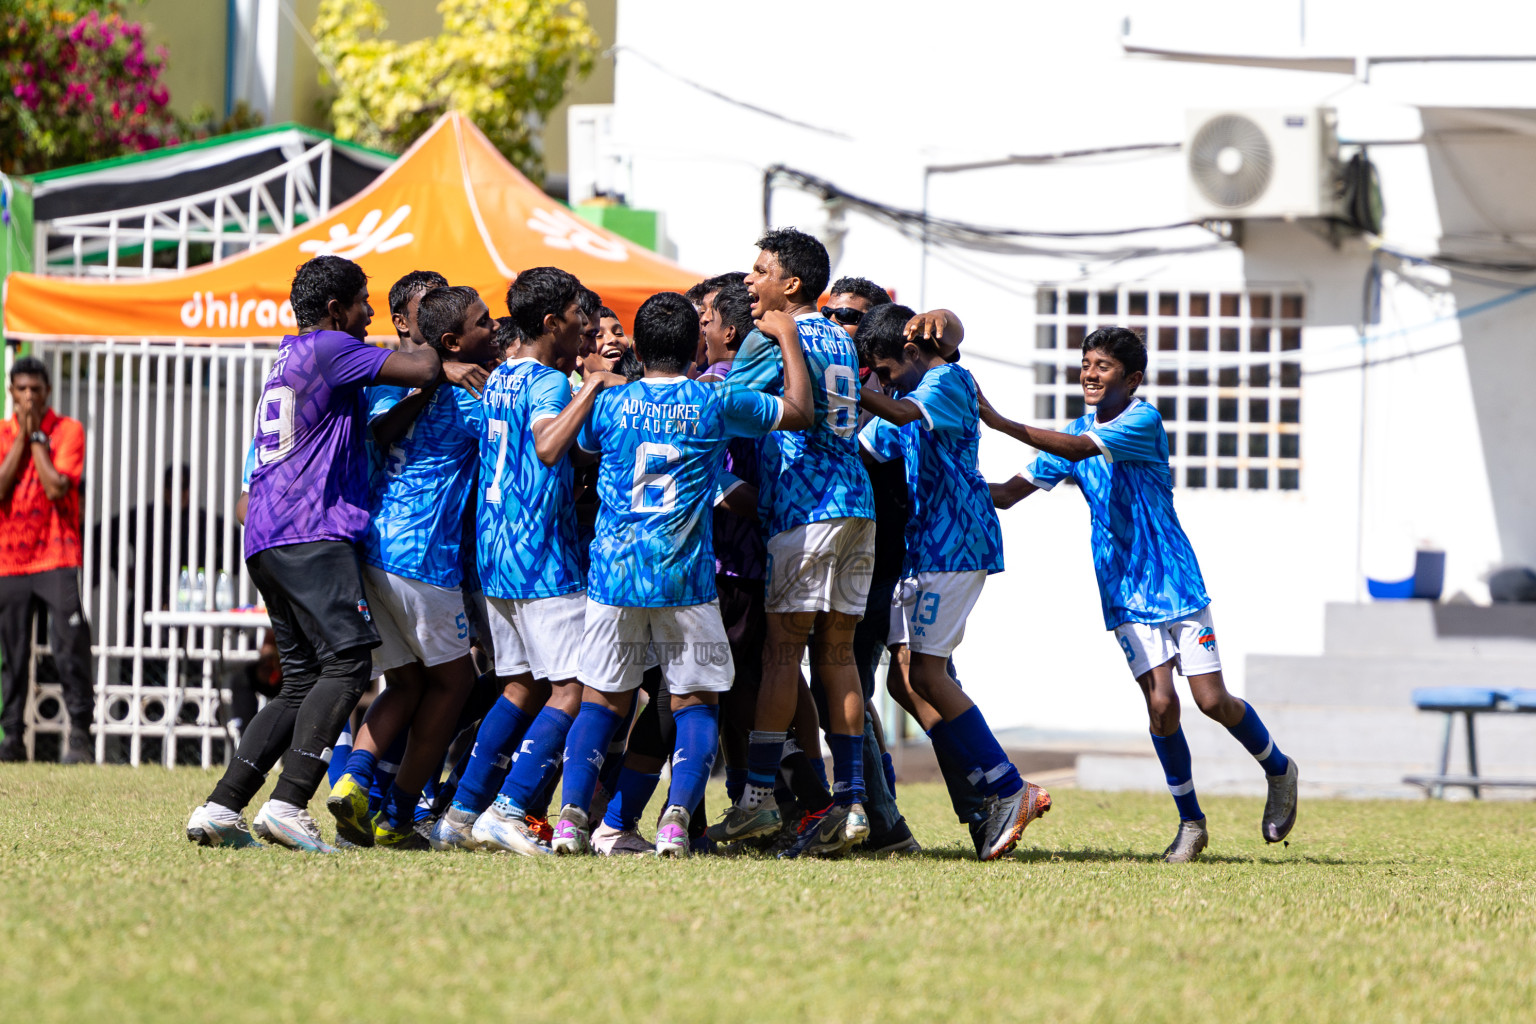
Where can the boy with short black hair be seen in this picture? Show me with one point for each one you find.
(404, 298)
(530, 568)
(928, 420)
(308, 507)
(1150, 585)
(652, 583)
(816, 501)
(412, 576)
(849, 299)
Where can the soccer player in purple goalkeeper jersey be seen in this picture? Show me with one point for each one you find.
(308, 507)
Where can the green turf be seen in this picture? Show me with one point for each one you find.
(1375, 912)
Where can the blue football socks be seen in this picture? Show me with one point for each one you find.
(698, 737)
(1173, 752)
(398, 808)
(500, 732)
(613, 761)
(585, 748)
(735, 782)
(764, 750)
(360, 765)
(537, 758)
(633, 792)
(341, 750)
(847, 767)
(384, 771)
(990, 770)
(1250, 732)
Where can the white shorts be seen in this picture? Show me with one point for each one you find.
(540, 635)
(416, 621)
(1190, 643)
(821, 567)
(688, 641)
(928, 611)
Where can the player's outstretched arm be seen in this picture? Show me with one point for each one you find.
(391, 426)
(893, 410)
(414, 369)
(799, 410)
(1009, 494)
(941, 327)
(1072, 447)
(554, 435)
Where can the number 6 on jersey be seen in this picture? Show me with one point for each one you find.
(651, 478)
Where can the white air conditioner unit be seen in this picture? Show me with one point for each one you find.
(1246, 164)
(595, 165)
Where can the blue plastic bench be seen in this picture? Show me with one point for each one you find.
(1467, 701)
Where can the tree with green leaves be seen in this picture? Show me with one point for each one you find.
(505, 64)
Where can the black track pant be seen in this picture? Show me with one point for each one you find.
(324, 633)
(69, 635)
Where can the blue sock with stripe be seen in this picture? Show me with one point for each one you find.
(1250, 732)
(1173, 752)
(586, 746)
(847, 767)
(384, 771)
(764, 751)
(988, 767)
(501, 731)
(698, 738)
(536, 758)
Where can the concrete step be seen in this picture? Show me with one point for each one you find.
(1363, 680)
(1399, 628)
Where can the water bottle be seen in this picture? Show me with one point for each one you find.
(224, 593)
(184, 591)
(200, 591)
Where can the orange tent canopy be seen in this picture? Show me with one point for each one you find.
(452, 204)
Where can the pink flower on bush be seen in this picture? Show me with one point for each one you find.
(91, 79)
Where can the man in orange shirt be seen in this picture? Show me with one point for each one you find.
(40, 557)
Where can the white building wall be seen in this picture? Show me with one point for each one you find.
(1431, 449)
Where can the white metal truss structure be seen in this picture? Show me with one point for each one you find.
(1223, 369)
(161, 694)
(230, 219)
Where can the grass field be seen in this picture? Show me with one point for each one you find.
(1374, 912)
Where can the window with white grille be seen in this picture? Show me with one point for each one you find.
(1223, 369)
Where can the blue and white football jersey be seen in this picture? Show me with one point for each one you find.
(416, 522)
(527, 519)
(814, 475)
(1146, 567)
(952, 526)
(663, 442)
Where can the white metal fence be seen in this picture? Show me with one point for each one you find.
(148, 409)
